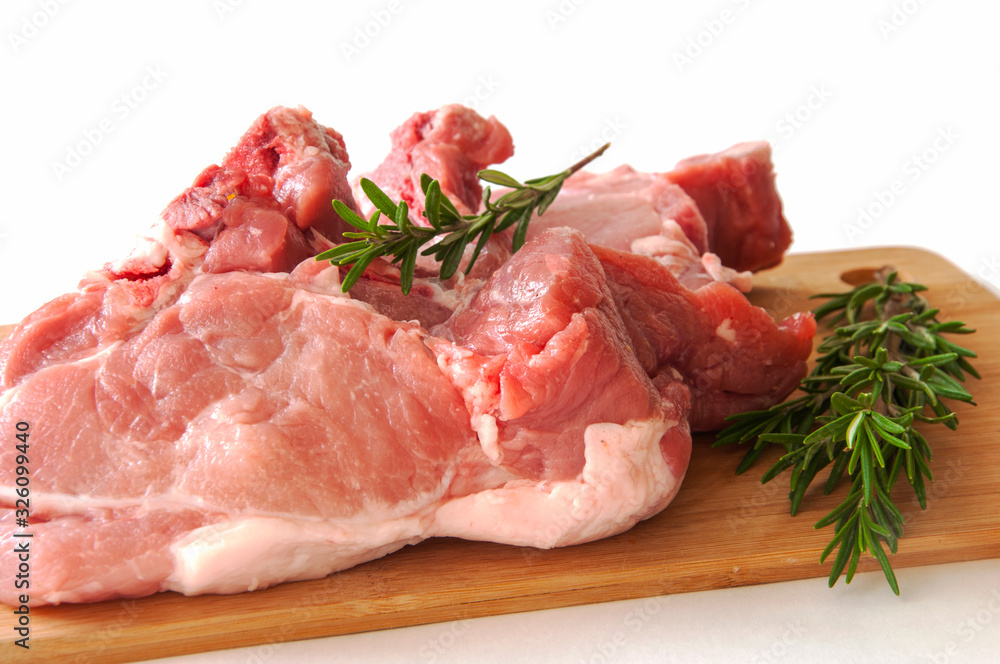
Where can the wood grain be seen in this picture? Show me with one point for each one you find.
(720, 531)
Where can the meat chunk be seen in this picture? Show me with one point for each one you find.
(208, 420)
(255, 237)
(285, 162)
(263, 429)
(257, 211)
(451, 144)
(731, 354)
(212, 414)
(735, 192)
(541, 308)
(643, 213)
(616, 208)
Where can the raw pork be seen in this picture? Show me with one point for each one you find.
(212, 414)
(735, 192)
(678, 299)
(266, 428)
(643, 213)
(451, 144)
(730, 353)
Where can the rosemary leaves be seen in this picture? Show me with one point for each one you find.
(886, 366)
(401, 239)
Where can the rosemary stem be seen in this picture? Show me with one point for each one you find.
(589, 158)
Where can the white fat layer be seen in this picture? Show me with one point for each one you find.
(625, 479)
(146, 248)
(53, 504)
(251, 552)
(307, 298)
(712, 264)
(725, 331)
(325, 282)
(485, 426)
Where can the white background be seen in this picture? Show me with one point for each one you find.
(885, 107)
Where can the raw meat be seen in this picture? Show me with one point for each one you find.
(255, 212)
(730, 353)
(735, 192)
(285, 162)
(451, 144)
(678, 299)
(212, 414)
(273, 429)
(616, 208)
(643, 213)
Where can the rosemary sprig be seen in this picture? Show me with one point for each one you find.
(886, 366)
(402, 239)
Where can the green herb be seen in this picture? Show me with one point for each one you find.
(886, 366)
(402, 239)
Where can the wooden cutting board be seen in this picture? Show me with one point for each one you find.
(720, 531)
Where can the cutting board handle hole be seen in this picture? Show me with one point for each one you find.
(858, 276)
(866, 275)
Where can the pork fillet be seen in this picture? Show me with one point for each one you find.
(265, 209)
(451, 144)
(735, 192)
(643, 213)
(266, 428)
(731, 354)
(285, 162)
(212, 414)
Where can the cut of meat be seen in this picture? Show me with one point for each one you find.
(609, 451)
(724, 204)
(616, 208)
(678, 300)
(265, 209)
(286, 162)
(642, 213)
(255, 237)
(735, 192)
(273, 429)
(252, 397)
(730, 353)
(212, 414)
(451, 144)
(530, 309)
